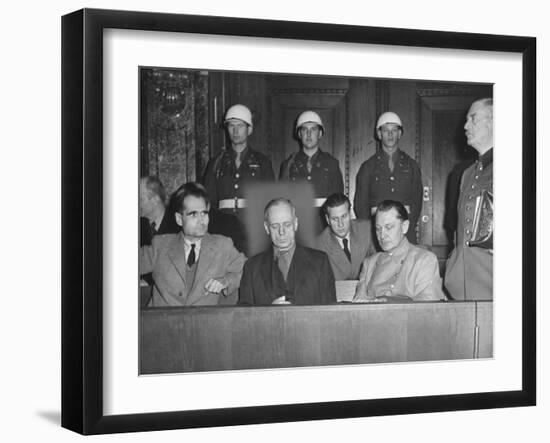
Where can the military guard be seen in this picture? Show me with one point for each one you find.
(313, 165)
(390, 174)
(230, 172)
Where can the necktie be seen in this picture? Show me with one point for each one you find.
(191, 256)
(238, 160)
(309, 165)
(390, 163)
(346, 249)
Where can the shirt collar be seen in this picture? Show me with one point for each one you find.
(341, 240)
(290, 252)
(487, 158)
(387, 156)
(187, 243)
(305, 156)
(401, 251)
(244, 152)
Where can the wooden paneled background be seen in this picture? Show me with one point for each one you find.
(182, 114)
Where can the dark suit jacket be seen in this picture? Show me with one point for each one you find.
(168, 225)
(165, 258)
(361, 246)
(310, 279)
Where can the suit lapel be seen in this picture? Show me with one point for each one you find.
(356, 241)
(266, 273)
(297, 266)
(176, 254)
(339, 256)
(206, 259)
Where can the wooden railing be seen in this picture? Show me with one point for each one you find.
(223, 338)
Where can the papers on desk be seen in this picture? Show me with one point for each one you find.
(345, 290)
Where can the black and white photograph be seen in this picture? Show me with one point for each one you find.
(291, 219)
(303, 220)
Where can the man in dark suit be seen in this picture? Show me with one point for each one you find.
(192, 267)
(154, 217)
(286, 273)
(347, 242)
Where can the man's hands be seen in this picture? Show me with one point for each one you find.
(215, 285)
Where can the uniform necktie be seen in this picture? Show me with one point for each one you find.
(346, 249)
(390, 163)
(191, 256)
(238, 160)
(309, 165)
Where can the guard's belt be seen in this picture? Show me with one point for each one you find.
(232, 203)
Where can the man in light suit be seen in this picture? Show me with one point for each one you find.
(347, 242)
(191, 267)
(286, 273)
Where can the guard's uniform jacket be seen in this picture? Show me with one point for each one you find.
(325, 175)
(469, 269)
(226, 183)
(375, 182)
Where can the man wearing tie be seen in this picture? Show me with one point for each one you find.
(347, 242)
(389, 174)
(313, 165)
(229, 174)
(192, 267)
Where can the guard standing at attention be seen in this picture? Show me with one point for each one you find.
(230, 172)
(311, 164)
(390, 174)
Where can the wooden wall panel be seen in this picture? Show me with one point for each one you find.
(217, 338)
(361, 122)
(402, 100)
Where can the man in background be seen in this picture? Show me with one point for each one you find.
(155, 218)
(389, 174)
(312, 165)
(228, 174)
(347, 242)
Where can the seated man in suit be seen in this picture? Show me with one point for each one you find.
(191, 267)
(402, 271)
(286, 273)
(347, 242)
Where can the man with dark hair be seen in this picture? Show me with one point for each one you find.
(347, 242)
(389, 174)
(402, 271)
(229, 173)
(286, 273)
(192, 267)
(469, 269)
(155, 218)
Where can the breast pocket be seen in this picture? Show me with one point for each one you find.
(404, 177)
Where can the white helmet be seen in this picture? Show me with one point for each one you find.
(389, 117)
(309, 117)
(240, 112)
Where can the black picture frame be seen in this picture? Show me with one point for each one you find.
(82, 219)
